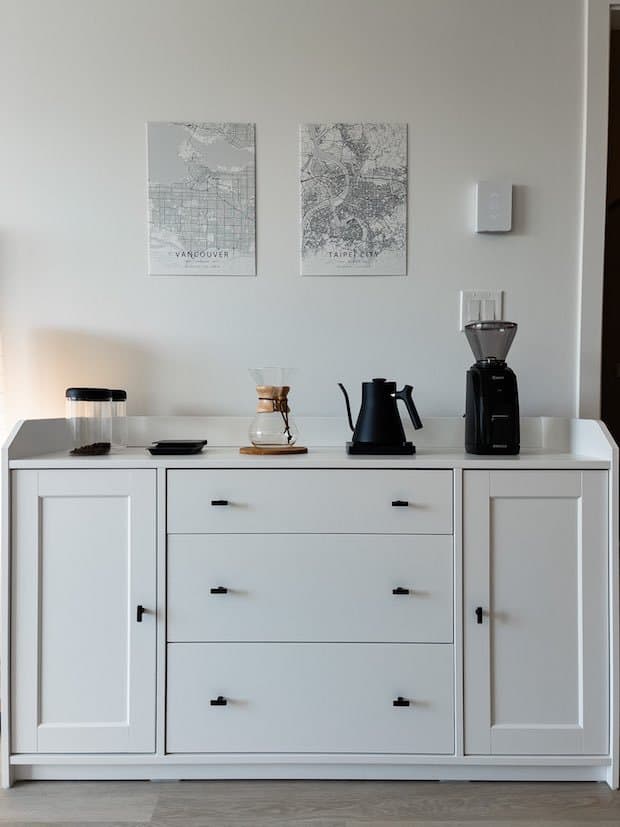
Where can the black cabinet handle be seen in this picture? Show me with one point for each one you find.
(219, 502)
(400, 590)
(219, 590)
(219, 701)
(479, 614)
(400, 503)
(400, 701)
(139, 613)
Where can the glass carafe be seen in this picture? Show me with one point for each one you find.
(273, 424)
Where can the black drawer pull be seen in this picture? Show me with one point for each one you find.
(219, 590)
(140, 610)
(400, 701)
(219, 701)
(479, 614)
(400, 590)
(219, 502)
(400, 503)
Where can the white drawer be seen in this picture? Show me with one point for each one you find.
(286, 697)
(304, 587)
(309, 500)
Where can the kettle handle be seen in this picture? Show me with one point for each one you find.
(407, 398)
(346, 399)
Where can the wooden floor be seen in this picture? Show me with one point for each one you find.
(309, 804)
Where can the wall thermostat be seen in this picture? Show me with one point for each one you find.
(493, 207)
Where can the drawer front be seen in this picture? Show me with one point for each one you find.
(321, 698)
(304, 587)
(309, 500)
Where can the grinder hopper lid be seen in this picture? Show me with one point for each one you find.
(491, 340)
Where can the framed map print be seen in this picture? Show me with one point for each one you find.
(353, 187)
(202, 199)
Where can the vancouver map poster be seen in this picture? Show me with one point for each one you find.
(202, 202)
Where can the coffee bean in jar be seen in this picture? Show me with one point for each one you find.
(89, 413)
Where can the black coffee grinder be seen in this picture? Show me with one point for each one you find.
(492, 399)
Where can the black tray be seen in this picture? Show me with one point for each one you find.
(177, 447)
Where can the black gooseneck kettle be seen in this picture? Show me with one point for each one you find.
(379, 429)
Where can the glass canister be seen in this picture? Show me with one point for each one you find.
(273, 424)
(88, 411)
(118, 400)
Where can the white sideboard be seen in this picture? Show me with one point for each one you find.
(440, 616)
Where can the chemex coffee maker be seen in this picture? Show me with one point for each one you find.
(379, 429)
(492, 400)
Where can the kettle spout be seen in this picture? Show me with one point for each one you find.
(346, 399)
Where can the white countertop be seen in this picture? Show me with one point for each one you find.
(546, 442)
(323, 457)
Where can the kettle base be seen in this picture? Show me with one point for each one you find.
(358, 448)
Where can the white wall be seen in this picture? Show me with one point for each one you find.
(488, 88)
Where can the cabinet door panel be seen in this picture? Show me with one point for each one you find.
(535, 554)
(84, 558)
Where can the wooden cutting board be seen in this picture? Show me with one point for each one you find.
(272, 449)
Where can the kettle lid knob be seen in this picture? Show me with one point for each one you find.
(378, 380)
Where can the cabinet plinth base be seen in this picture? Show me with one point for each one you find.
(376, 768)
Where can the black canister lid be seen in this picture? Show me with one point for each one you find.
(118, 395)
(88, 394)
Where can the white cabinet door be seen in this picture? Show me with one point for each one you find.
(83, 561)
(536, 564)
